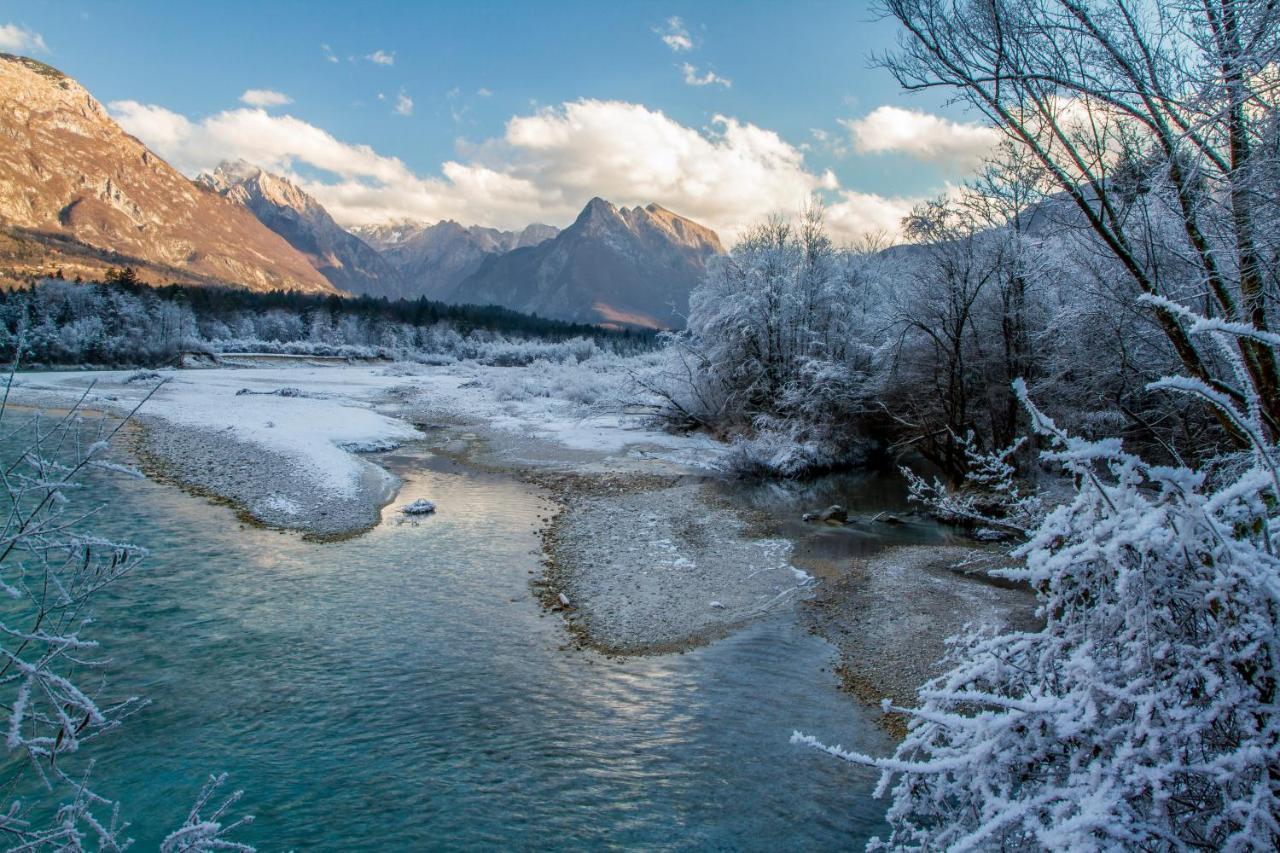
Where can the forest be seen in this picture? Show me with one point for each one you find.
(121, 323)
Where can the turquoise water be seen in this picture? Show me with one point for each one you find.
(402, 690)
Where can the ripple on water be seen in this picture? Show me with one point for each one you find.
(402, 690)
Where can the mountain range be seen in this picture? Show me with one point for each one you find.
(346, 261)
(435, 258)
(78, 194)
(613, 265)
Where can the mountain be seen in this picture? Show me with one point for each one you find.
(80, 194)
(614, 265)
(341, 257)
(433, 259)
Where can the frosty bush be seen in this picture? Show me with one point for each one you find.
(1146, 714)
(53, 702)
(989, 497)
(598, 381)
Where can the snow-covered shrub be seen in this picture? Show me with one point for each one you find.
(598, 381)
(1146, 713)
(990, 496)
(778, 453)
(142, 376)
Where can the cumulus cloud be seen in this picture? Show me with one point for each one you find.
(328, 54)
(923, 136)
(693, 78)
(164, 130)
(265, 98)
(675, 36)
(543, 168)
(404, 104)
(21, 40)
(382, 57)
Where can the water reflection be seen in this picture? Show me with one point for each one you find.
(402, 690)
(869, 497)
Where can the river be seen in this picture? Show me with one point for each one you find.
(403, 690)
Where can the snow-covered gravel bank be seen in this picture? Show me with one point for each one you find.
(282, 442)
(663, 568)
(277, 443)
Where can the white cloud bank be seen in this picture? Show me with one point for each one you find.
(265, 98)
(922, 136)
(544, 168)
(21, 40)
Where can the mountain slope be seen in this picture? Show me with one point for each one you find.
(78, 193)
(433, 259)
(341, 257)
(614, 265)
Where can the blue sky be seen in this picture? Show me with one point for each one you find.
(796, 70)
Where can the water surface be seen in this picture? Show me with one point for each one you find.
(402, 690)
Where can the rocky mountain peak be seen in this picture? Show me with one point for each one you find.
(78, 193)
(620, 266)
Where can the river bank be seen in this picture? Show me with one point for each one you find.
(649, 549)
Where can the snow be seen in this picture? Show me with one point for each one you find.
(580, 407)
(318, 416)
(334, 409)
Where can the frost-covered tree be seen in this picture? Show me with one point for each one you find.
(1156, 121)
(1146, 713)
(775, 351)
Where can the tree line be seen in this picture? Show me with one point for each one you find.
(122, 322)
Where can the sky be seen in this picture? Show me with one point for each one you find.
(506, 113)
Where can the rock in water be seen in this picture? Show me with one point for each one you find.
(421, 506)
(835, 512)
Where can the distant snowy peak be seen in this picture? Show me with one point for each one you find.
(433, 259)
(341, 257)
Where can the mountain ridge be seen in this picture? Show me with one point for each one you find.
(433, 259)
(346, 261)
(79, 194)
(614, 265)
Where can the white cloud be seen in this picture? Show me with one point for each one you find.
(693, 78)
(21, 39)
(484, 93)
(165, 131)
(923, 136)
(382, 57)
(544, 168)
(265, 98)
(675, 36)
(853, 214)
(404, 104)
(328, 54)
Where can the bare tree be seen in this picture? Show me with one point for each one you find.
(1186, 88)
